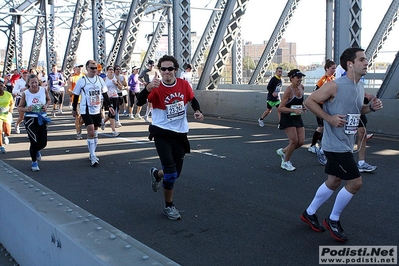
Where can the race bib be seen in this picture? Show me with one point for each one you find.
(4, 110)
(296, 107)
(175, 111)
(352, 122)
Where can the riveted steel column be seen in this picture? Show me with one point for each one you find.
(50, 49)
(274, 42)
(98, 31)
(236, 61)
(382, 33)
(347, 29)
(131, 30)
(329, 28)
(222, 44)
(10, 51)
(207, 36)
(38, 36)
(181, 32)
(74, 36)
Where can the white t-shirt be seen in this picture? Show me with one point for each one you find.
(91, 90)
(19, 85)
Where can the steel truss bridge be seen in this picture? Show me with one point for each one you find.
(220, 40)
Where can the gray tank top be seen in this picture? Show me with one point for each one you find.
(349, 100)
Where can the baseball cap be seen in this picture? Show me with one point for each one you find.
(123, 70)
(295, 73)
(24, 71)
(150, 62)
(99, 67)
(77, 65)
(135, 67)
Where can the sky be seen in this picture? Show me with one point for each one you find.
(306, 28)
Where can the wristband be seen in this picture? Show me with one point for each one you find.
(371, 108)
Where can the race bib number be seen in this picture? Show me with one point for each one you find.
(4, 110)
(352, 122)
(175, 111)
(296, 107)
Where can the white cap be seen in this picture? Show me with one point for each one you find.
(77, 65)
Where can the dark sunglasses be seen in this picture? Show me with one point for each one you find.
(117, 69)
(167, 68)
(93, 68)
(110, 69)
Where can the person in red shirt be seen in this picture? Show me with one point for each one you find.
(15, 76)
(169, 97)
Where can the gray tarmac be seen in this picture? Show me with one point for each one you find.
(238, 207)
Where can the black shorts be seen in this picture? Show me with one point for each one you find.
(287, 120)
(342, 165)
(92, 120)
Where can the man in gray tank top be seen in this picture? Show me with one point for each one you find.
(343, 104)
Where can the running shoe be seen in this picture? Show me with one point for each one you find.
(98, 159)
(102, 124)
(312, 149)
(125, 113)
(369, 136)
(131, 116)
(321, 157)
(59, 111)
(335, 229)
(94, 161)
(35, 167)
(79, 136)
(17, 130)
(312, 221)
(146, 118)
(287, 166)
(115, 133)
(38, 156)
(6, 140)
(137, 116)
(365, 167)
(154, 183)
(281, 153)
(172, 213)
(260, 122)
(2, 149)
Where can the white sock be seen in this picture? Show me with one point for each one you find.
(323, 193)
(361, 162)
(343, 198)
(92, 147)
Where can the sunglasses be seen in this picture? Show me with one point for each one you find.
(110, 69)
(93, 68)
(117, 69)
(168, 68)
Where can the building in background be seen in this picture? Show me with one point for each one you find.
(286, 52)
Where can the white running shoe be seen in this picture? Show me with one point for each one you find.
(365, 167)
(287, 166)
(281, 153)
(115, 134)
(6, 140)
(172, 213)
(312, 149)
(131, 116)
(17, 130)
(260, 122)
(137, 116)
(146, 118)
(321, 157)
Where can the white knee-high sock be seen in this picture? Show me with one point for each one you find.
(95, 139)
(323, 193)
(92, 147)
(343, 198)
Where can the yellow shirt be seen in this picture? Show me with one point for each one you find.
(5, 103)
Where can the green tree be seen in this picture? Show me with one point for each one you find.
(248, 63)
